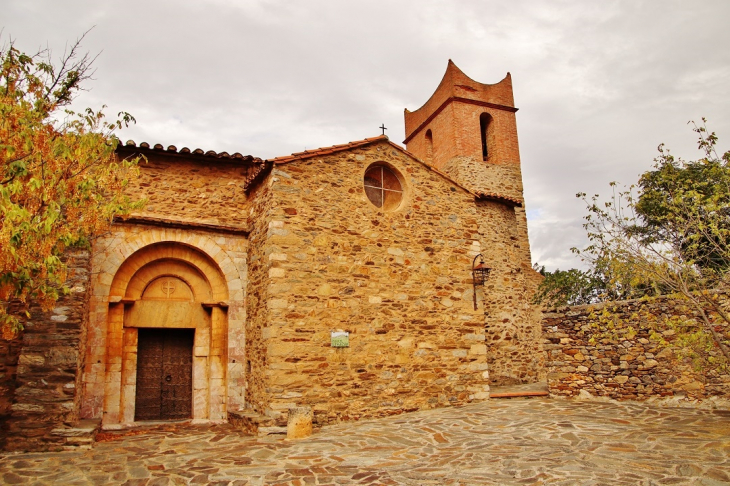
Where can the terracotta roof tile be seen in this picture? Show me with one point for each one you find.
(498, 197)
(307, 154)
(130, 144)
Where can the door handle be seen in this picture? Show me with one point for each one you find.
(168, 378)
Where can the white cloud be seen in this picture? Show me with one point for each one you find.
(599, 84)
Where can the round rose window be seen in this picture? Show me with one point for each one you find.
(383, 187)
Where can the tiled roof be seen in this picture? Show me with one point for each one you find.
(498, 197)
(326, 150)
(255, 174)
(254, 167)
(171, 149)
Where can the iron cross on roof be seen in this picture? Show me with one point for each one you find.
(382, 127)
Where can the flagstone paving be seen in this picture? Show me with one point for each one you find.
(519, 441)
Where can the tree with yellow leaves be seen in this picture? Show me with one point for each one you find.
(61, 183)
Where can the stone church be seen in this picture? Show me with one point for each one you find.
(338, 278)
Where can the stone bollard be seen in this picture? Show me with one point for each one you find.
(299, 424)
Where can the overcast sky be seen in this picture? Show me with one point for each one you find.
(599, 84)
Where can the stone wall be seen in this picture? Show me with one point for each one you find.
(477, 175)
(503, 179)
(625, 350)
(259, 272)
(9, 354)
(513, 333)
(190, 188)
(196, 214)
(49, 360)
(324, 258)
(516, 354)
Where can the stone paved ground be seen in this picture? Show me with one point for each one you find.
(536, 441)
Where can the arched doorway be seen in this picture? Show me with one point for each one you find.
(166, 337)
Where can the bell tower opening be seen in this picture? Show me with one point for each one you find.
(429, 146)
(485, 126)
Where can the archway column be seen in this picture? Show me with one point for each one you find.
(129, 375)
(113, 375)
(218, 364)
(201, 375)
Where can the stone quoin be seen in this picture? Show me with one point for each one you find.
(218, 301)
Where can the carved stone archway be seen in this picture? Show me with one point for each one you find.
(174, 286)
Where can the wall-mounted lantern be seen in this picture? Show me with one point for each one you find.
(480, 273)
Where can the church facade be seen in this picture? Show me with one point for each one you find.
(338, 278)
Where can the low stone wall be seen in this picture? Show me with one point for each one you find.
(41, 371)
(626, 350)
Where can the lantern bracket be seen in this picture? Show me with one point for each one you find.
(480, 273)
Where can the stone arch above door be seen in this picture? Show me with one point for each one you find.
(142, 295)
(114, 252)
(136, 271)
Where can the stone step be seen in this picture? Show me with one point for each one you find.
(81, 428)
(80, 435)
(264, 431)
(517, 391)
(253, 423)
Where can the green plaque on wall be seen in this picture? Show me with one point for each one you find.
(340, 339)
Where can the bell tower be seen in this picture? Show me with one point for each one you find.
(469, 130)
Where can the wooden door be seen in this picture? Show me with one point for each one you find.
(164, 374)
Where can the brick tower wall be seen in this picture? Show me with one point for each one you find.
(456, 134)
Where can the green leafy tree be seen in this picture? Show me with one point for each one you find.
(608, 279)
(669, 234)
(568, 287)
(666, 193)
(60, 181)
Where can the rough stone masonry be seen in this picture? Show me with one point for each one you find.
(218, 300)
(627, 351)
(40, 373)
